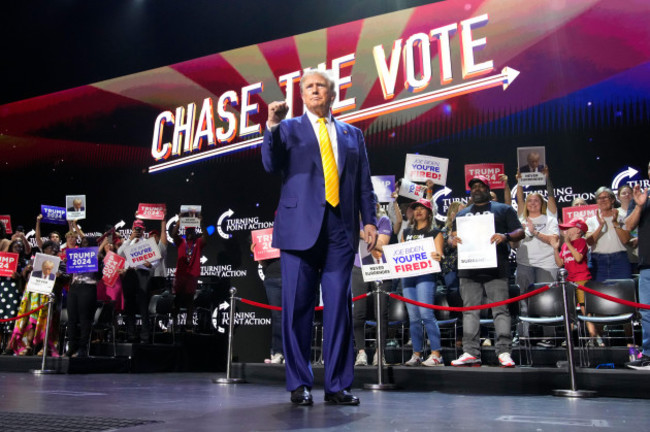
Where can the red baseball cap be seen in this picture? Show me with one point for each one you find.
(575, 223)
(423, 202)
(480, 178)
(138, 224)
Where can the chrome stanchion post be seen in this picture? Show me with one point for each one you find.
(573, 392)
(231, 326)
(42, 370)
(379, 352)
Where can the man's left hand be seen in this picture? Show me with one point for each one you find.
(370, 234)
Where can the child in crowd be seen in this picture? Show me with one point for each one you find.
(573, 256)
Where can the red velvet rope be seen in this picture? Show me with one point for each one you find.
(614, 299)
(23, 315)
(265, 306)
(261, 305)
(468, 308)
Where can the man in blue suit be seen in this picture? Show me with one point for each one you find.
(325, 188)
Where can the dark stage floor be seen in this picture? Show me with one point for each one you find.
(191, 402)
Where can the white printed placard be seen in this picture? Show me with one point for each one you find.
(420, 168)
(384, 186)
(75, 207)
(476, 251)
(44, 274)
(531, 161)
(190, 216)
(373, 265)
(145, 250)
(407, 259)
(412, 190)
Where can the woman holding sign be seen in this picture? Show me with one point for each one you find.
(422, 288)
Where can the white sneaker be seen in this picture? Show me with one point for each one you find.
(467, 360)
(277, 358)
(374, 359)
(362, 359)
(433, 361)
(415, 361)
(506, 361)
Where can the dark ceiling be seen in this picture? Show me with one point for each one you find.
(54, 45)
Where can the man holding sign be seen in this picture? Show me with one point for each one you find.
(493, 280)
(188, 268)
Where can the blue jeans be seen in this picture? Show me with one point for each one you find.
(644, 297)
(452, 282)
(421, 289)
(610, 266)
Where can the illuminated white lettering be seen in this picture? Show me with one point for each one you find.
(467, 46)
(248, 108)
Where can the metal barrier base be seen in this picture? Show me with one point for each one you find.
(379, 386)
(575, 393)
(44, 372)
(229, 381)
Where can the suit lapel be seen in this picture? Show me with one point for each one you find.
(307, 131)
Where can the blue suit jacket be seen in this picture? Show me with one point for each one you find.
(292, 150)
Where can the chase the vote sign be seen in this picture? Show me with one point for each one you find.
(420, 168)
(412, 258)
(81, 260)
(141, 252)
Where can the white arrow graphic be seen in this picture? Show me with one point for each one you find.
(224, 305)
(119, 225)
(221, 218)
(629, 172)
(505, 78)
(203, 259)
(442, 192)
(29, 234)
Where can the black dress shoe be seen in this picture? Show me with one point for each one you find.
(342, 397)
(301, 396)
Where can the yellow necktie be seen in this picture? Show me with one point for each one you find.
(329, 165)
